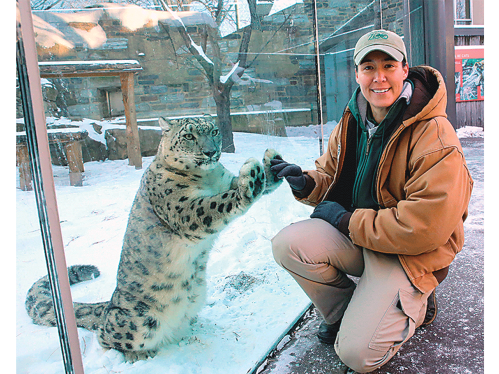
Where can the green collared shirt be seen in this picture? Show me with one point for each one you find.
(371, 140)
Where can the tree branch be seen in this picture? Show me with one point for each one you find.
(218, 11)
(207, 66)
(256, 21)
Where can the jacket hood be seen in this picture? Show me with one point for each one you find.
(429, 97)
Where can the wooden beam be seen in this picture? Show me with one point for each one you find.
(24, 168)
(132, 131)
(71, 140)
(75, 163)
(98, 68)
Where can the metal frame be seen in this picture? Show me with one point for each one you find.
(43, 181)
(318, 77)
(469, 30)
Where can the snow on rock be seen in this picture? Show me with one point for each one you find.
(280, 5)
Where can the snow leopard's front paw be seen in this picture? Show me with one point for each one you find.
(271, 180)
(251, 182)
(134, 356)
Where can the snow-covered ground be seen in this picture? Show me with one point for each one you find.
(251, 300)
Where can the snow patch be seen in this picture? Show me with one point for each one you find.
(470, 132)
(224, 78)
(312, 131)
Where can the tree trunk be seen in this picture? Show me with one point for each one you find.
(222, 99)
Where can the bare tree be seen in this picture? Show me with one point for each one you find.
(220, 85)
(208, 38)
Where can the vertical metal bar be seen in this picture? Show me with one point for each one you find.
(380, 14)
(318, 74)
(40, 162)
(407, 30)
(439, 46)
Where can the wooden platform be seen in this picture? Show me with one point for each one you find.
(125, 69)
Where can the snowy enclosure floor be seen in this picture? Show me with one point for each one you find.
(251, 300)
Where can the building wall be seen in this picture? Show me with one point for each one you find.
(478, 12)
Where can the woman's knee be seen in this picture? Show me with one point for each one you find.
(281, 247)
(360, 352)
(358, 356)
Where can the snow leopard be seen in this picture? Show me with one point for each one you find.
(186, 197)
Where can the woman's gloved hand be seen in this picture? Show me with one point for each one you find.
(293, 173)
(333, 213)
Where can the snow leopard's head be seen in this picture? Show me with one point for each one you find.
(190, 143)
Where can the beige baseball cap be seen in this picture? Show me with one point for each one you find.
(380, 40)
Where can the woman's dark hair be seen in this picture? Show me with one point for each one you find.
(404, 62)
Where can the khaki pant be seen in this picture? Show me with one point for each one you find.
(378, 315)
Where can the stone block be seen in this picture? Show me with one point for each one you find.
(116, 142)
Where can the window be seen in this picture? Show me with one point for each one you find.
(462, 12)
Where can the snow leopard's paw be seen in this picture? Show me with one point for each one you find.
(271, 180)
(251, 182)
(134, 356)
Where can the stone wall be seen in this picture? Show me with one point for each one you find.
(171, 83)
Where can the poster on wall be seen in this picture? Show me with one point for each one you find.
(469, 73)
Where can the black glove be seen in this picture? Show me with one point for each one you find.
(333, 213)
(293, 173)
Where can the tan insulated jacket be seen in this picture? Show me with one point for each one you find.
(423, 185)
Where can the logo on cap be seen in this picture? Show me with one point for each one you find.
(378, 35)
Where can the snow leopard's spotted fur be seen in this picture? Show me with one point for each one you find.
(185, 198)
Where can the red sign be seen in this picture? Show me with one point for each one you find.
(469, 73)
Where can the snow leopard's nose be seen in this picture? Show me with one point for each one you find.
(209, 153)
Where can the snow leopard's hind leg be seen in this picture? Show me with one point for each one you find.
(40, 308)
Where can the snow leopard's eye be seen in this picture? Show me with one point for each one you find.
(189, 136)
(215, 132)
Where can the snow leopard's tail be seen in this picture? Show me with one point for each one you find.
(40, 307)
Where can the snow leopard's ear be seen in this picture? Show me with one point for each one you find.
(165, 124)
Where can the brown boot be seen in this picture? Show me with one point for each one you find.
(431, 310)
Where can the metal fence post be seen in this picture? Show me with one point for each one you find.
(439, 36)
(43, 183)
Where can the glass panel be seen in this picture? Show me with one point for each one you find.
(31, 266)
(35, 173)
(178, 61)
(109, 73)
(463, 12)
(413, 31)
(338, 35)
